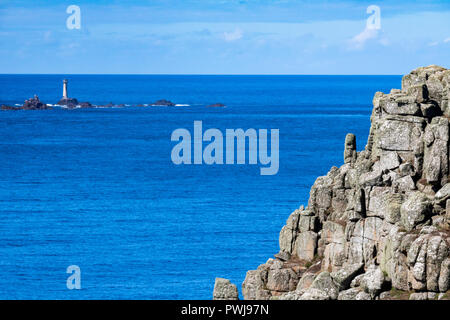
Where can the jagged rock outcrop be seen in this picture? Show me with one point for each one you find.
(69, 102)
(30, 104)
(381, 221)
(34, 104)
(225, 290)
(163, 103)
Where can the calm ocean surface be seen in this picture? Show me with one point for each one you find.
(96, 187)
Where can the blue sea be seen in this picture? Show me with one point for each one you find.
(97, 188)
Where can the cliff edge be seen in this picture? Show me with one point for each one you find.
(378, 227)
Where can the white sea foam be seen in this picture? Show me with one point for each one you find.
(182, 105)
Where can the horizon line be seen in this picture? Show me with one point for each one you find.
(196, 74)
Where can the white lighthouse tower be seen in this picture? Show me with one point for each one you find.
(65, 89)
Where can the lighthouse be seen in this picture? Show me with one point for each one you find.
(65, 89)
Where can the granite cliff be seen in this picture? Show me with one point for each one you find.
(378, 227)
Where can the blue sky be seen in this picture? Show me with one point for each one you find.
(223, 37)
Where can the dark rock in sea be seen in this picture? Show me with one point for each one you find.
(216, 105)
(109, 105)
(85, 105)
(5, 107)
(68, 102)
(164, 103)
(34, 104)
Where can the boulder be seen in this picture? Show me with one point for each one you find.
(225, 290)
(415, 210)
(253, 287)
(418, 296)
(305, 282)
(344, 276)
(373, 281)
(363, 296)
(284, 279)
(315, 294)
(324, 284)
(349, 294)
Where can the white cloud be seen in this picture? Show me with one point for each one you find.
(360, 39)
(436, 43)
(233, 36)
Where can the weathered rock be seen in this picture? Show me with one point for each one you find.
(386, 210)
(373, 280)
(389, 160)
(282, 280)
(333, 238)
(427, 259)
(443, 194)
(349, 294)
(418, 92)
(289, 232)
(253, 287)
(444, 276)
(419, 296)
(396, 133)
(350, 148)
(385, 295)
(435, 162)
(305, 282)
(415, 210)
(322, 286)
(225, 290)
(363, 296)
(315, 294)
(306, 245)
(344, 276)
(394, 202)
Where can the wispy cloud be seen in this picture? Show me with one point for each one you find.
(360, 39)
(233, 36)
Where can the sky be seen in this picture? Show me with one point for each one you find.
(223, 36)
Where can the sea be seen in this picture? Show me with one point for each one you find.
(97, 189)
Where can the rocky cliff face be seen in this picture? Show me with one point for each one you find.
(378, 226)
